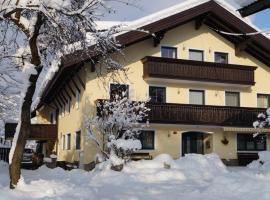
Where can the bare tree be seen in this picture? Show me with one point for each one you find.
(43, 31)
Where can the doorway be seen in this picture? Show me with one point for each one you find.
(192, 142)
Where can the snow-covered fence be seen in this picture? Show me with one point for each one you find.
(4, 152)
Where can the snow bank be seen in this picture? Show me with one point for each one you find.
(263, 163)
(192, 177)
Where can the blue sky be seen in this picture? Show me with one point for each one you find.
(146, 7)
(262, 19)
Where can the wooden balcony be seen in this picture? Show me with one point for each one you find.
(188, 70)
(168, 113)
(38, 131)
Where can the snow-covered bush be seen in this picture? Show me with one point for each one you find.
(263, 163)
(118, 121)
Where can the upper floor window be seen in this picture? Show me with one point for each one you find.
(120, 90)
(232, 99)
(157, 94)
(196, 55)
(197, 97)
(78, 98)
(169, 52)
(221, 57)
(68, 143)
(263, 100)
(78, 140)
(246, 142)
(147, 139)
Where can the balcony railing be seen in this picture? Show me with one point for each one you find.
(203, 114)
(37, 131)
(168, 68)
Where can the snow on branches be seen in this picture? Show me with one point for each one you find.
(263, 120)
(119, 121)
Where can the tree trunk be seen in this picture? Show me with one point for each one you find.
(25, 118)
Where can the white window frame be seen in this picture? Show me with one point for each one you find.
(198, 89)
(229, 55)
(155, 140)
(195, 49)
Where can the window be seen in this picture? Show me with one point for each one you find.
(68, 141)
(196, 55)
(169, 52)
(196, 97)
(78, 98)
(232, 99)
(246, 142)
(78, 140)
(147, 139)
(221, 57)
(263, 100)
(157, 94)
(63, 142)
(120, 90)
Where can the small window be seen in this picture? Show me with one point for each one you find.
(68, 141)
(232, 99)
(263, 100)
(196, 55)
(120, 90)
(147, 139)
(78, 99)
(169, 52)
(157, 94)
(78, 140)
(221, 57)
(196, 97)
(247, 142)
(63, 142)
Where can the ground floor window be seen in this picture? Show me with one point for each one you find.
(147, 139)
(246, 142)
(68, 141)
(78, 140)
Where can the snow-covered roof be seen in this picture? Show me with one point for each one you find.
(177, 9)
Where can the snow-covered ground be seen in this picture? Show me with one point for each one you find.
(189, 178)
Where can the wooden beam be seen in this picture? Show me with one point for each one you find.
(65, 90)
(59, 102)
(80, 80)
(240, 47)
(255, 7)
(62, 100)
(71, 90)
(200, 20)
(75, 84)
(158, 37)
(63, 96)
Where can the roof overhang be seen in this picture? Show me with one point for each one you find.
(210, 13)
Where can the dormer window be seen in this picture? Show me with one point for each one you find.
(168, 52)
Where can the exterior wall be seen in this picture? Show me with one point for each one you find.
(184, 38)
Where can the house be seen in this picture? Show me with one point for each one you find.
(206, 86)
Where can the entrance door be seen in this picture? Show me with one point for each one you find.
(192, 142)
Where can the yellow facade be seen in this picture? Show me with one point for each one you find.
(167, 137)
